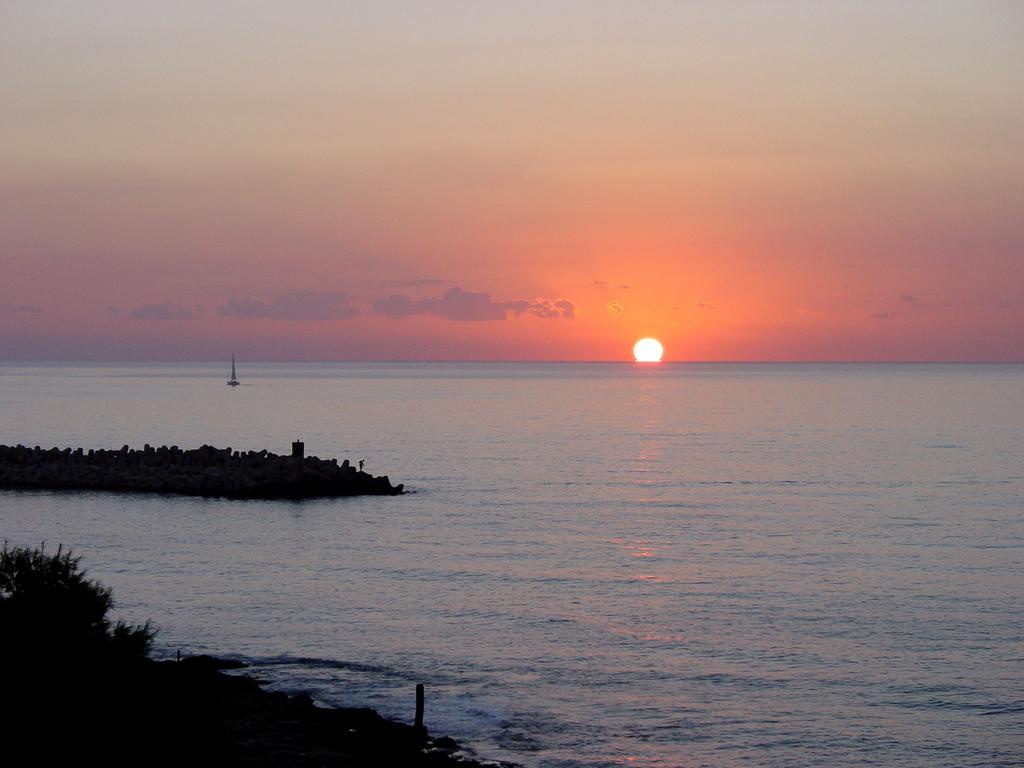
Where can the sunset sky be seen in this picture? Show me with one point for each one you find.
(523, 181)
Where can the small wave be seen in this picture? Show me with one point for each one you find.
(1007, 710)
(311, 662)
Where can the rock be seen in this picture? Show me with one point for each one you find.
(445, 744)
(205, 471)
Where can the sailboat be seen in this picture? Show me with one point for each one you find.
(233, 381)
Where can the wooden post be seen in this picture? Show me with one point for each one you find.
(419, 705)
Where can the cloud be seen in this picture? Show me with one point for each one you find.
(398, 306)
(883, 315)
(166, 311)
(30, 308)
(458, 304)
(615, 307)
(906, 297)
(470, 306)
(544, 308)
(703, 305)
(294, 305)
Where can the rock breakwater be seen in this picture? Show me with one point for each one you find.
(205, 471)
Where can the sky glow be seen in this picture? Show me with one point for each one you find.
(744, 181)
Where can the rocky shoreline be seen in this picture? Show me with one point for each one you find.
(192, 712)
(262, 728)
(205, 471)
(81, 689)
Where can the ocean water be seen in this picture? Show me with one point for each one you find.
(599, 564)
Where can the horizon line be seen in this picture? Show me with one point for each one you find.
(99, 361)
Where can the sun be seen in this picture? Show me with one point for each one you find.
(648, 351)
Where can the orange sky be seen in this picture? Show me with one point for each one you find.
(744, 181)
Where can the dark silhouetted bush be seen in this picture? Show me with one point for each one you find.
(74, 681)
(51, 613)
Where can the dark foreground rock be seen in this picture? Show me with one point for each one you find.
(205, 471)
(78, 688)
(191, 713)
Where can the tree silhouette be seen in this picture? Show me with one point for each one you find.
(51, 612)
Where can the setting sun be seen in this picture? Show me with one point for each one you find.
(648, 351)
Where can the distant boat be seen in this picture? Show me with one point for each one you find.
(233, 381)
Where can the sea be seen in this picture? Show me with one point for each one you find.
(596, 564)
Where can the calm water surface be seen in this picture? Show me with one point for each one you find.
(600, 564)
